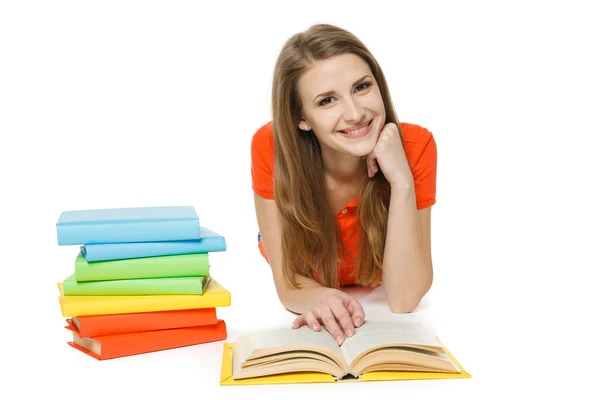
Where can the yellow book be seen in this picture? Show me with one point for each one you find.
(378, 351)
(215, 295)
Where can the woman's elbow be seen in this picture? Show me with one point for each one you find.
(404, 307)
(403, 303)
(406, 303)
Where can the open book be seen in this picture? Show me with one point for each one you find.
(375, 346)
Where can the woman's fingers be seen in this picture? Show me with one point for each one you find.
(368, 160)
(371, 165)
(298, 321)
(357, 313)
(311, 321)
(331, 324)
(340, 311)
(308, 318)
(339, 315)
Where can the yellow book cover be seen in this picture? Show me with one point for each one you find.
(215, 295)
(378, 351)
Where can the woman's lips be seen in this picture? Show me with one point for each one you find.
(355, 133)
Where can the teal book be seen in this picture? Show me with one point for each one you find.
(209, 242)
(136, 287)
(180, 265)
(125, 225)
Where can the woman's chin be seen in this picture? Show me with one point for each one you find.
(362, 149)
(361, 154)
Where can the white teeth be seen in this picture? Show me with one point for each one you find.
(357, 131)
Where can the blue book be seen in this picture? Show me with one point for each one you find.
(209, 242)
(125, 225)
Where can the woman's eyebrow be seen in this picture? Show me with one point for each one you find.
(329, 93)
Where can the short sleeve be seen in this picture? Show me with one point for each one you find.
(263, 161)
(421, 153)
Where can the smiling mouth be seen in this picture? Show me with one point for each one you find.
(358, 131)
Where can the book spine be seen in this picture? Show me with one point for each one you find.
(148, 231)
(102, 325)
(75, 306)
(120, 251)
(133, 287)
(181, 265)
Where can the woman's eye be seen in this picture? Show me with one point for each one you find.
(363, 86)
(325, 101)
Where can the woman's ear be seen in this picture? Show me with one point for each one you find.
(303, 125)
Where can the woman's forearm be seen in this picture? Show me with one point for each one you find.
(407, 270)
(305, 298)
(297, 300)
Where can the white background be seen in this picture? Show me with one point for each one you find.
(143, 103)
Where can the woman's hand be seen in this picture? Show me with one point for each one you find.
(389, 156)
(339, 313)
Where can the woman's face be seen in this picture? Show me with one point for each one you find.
(342, 104)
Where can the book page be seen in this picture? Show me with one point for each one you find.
(403, 359)
(377, 333)
(88, 343)
(273, 341)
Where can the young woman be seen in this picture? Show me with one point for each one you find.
(343, 191)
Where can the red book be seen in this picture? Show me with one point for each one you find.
(114, 324)
(128, 344)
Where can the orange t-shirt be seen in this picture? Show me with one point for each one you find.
(421, 153)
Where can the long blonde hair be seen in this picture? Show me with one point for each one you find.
(310, 237)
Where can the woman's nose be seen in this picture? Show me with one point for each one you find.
(353, 112)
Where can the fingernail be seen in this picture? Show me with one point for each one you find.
(315, 327)
(357, 321)
(340, 340)
(349, 333)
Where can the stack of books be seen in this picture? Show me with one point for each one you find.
(141, 281)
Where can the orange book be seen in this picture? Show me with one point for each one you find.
(114, 324)
(128, 344)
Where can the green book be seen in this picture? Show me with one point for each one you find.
(136, 287)
(170, 266)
